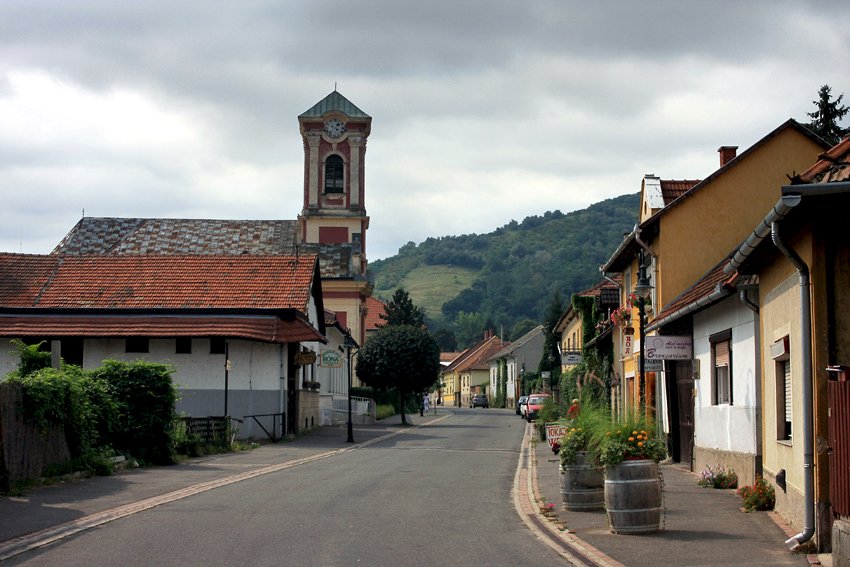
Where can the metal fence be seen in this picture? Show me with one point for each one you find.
(359, 406)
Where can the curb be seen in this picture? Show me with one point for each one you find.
(526, 496)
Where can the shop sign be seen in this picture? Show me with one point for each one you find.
(330, 358)
(305, 358)
(669, 347)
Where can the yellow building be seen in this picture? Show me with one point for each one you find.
(800, 252)
(682, 237)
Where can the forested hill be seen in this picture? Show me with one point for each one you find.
(506, 278)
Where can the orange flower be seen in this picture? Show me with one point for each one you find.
(640, 443)
(634, 432)
(631, 438)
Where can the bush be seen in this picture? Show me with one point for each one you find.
(719, 477)
(759, 496)
(145, 396)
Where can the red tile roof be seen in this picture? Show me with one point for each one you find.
(672, 189)
(266, 297)
(148, 281)
(714, 280)
(832, 167)
(255, 327)
(374, 309)
(476, 356)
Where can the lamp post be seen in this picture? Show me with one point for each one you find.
(349, 343)
(642, 290)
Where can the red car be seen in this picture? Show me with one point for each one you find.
(535, 403)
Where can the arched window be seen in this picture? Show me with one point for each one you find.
(334, 175)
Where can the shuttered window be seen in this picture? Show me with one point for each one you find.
(780, 352)
(721, 367)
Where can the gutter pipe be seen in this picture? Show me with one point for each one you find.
(719, 292)
(808, 412)
(757, 431)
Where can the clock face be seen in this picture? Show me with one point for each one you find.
(335, 128)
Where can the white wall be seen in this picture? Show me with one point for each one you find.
(727, 427)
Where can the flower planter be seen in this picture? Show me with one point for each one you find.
(582, 484)
(633, 497)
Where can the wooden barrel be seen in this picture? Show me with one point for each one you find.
(633, 497)
(582, 486)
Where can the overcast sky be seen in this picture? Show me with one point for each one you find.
(483, 111)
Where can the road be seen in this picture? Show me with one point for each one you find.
(434, 495)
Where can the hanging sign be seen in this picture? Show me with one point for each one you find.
(330, 358)
(628, 344)
(305, 358)
(669, 347)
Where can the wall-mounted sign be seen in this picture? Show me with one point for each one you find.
(330, 358)
(305, 358)
(652, 364)
(628, 344)
(669, 347)
(570, 357)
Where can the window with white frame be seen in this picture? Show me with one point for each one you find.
(721, 367)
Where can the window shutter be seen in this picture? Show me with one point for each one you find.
(721, 354)
(787, 391)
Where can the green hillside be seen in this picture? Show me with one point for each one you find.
(506, 278)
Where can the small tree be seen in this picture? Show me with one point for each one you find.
(827, 116)
(401, 311)
(404, 357)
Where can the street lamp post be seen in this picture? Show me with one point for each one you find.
(642, 290)
(349, 343)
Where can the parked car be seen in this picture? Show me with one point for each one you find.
(535, 403)
(479, 401)
(519, 403)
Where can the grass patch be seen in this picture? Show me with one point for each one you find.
(431, 286)
(383, 411)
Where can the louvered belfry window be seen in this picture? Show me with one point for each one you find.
(334, 175)
(721, 367)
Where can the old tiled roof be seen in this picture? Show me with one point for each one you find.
(672, 189)
(374, 309)
(714, 285)
(153, 281)
(476, 356)
(121, 236)
(832, 167)
(266, 328)
(334, 101)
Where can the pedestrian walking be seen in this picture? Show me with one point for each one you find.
(426, 403)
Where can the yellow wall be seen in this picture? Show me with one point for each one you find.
(693, 238)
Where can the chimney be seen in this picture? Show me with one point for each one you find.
(727, 154)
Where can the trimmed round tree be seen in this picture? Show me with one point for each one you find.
(400, 356)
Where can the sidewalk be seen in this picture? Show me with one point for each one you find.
(701, 526)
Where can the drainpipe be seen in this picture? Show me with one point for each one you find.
(808, 412)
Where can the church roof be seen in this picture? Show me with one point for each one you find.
(125, 236)
(334, 101)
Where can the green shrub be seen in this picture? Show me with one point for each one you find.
(144, 395)
(586, 430)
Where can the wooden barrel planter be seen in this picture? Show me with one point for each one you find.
(633, 497)
(582, 484)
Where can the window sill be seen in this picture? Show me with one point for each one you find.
(786, 442)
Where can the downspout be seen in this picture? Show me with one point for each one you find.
(808, 412)
(759, 437)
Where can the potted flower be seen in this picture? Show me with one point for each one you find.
(630, 452)
(581, 472)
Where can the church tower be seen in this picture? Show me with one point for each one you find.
(333, 219)
(334, 133)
